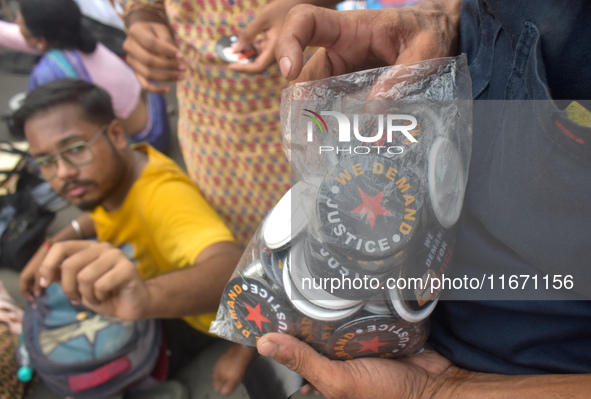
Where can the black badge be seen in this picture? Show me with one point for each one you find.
(273, 263)
(316, 333)
(368, 207)
(377, 336)
(224, 49)
(326, 263)
(256, 309)
(431, 257)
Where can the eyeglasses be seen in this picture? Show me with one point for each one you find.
(76, 154)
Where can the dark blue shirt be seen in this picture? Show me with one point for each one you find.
(528, 202)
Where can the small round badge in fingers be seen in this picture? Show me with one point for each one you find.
(224, 49)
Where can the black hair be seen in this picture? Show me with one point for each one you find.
(59, 22)
(94, 102)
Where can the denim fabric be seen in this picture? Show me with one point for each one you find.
(528, 203)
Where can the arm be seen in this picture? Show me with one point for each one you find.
(197, 259)
(150, 46)
(197, 289)
(269, 20)
(426, 375)
(11, 37)
(29, 277)
(105, 280)
(357, 40)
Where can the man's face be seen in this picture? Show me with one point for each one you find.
(85, 186)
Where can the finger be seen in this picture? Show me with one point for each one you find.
(50, 267)
(123, 274)
(74, 264)
(151, 73)
(89, 276)
(152, 87)
(151, 60)
(248, 35)
(259, 65)
(319, 66)
(156, 39)
(26, 285)
(299, 357)
(306, 389)
(304, 26)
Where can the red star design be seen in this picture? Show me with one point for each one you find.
(256, 316)
(372, 207)
(373, 345)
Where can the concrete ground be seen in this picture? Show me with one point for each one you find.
(197, 375)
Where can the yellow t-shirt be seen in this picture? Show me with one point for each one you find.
(163, 224)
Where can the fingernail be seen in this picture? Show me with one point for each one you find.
(236, 46)
(36, 293)
(179, 55)
(74, 302)
(225, 391)
(268, 348)
(285, 66)
(182, 67)
(43, 282)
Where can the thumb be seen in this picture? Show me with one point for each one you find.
(299, 357)
(251, 31)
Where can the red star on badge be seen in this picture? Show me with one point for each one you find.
(373, 345)
(372, 207)
(256, 316)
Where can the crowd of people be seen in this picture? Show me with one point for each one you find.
(167, 243)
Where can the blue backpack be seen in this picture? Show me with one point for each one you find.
(82, 354)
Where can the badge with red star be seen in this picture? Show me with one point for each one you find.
(377, 336)
(369, 207)
(255, 309)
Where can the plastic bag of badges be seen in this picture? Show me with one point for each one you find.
(350, 259)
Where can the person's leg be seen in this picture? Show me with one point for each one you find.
(183, 342)
(230, 367)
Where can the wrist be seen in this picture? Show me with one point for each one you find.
(448, 384)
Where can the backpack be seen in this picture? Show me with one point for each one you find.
(27, 207)
(82, 354)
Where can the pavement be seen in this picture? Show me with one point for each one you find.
(196, 376)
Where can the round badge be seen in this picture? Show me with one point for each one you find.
(316, 290)
(273, 263)
(376, 336)
(255, 309)
(325, 263)
(310, 310)
(403, 307)
(224, 49)
(287, 219)
(446, 182)
(368, 207)
(431, 257)
(345, 282)
(316, 333)
(377, 308)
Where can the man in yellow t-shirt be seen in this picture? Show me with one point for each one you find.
(162, 251)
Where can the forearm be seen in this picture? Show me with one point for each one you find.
(69, 233)
(467, 385)
(193, 290)
(11, 37)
